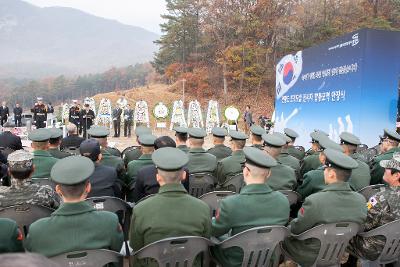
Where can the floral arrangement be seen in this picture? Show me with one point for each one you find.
(178, 114)
(160, 111)
(104, 113)
(195, 117)
(141, 115)
(212, 119)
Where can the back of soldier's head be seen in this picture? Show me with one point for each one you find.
(164, 141)
(25, 260)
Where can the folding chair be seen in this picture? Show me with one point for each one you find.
(88, 258)
(370, 190)
(234, 184)
(292, 196)
(213, 198)
(200, 183)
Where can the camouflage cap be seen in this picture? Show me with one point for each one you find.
(257, 130)
(20, 160)
(219, 132)
(140, 130)
(393, 163)
(291, 133)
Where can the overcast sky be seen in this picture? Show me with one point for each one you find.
(142, 13)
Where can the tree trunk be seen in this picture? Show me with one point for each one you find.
(225, 82)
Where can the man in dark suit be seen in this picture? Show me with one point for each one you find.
(104, 178)
(116, 116)
(146, 182)
(4, 113)
(73, 139)
(10, 140)
(17, 115)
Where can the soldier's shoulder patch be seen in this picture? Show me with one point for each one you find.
(372, 202)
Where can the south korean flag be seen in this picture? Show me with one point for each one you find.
(288, 70)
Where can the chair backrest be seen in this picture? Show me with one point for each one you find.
(234, 184)
(370, 190)
(334, 238)
(72, 150)
(200, 183)
(391, 232)
(177, 251)
(88, 258)
(213, 198)
(25, 214)
(258, 244)
(44, 181)
(292, 196)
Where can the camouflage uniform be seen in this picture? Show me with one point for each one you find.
(383, 208)
(26, 192)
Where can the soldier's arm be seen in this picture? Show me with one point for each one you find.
(220, 173)
(376, 173)
(305, 189)
(376, 210)
(117, 235)
(306, 218)
(135, 237)
(221, 223)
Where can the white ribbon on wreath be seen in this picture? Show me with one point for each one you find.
(195, 117)
(212, 119)
(141, 114)
(178, 115)
(104, 113)
(65, 112)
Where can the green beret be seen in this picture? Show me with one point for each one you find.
(326, 143)
(273, 140)
(39, 135)
(339, 160)
(72, 170)
(390, 135)
(284, 137)
(219, 132)
(237, 135)
(98, 131)
(147, 139)
(350, 138)
(197, 133)
(55, 133)
(181, 130)
(291, 133)
(259, 158)
(169, 159)
(257, 130)
(318, 136)
(20, 160)
(142, 130)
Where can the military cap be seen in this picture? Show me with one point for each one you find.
(291, 133)
(90, 148)
(147, 139)
(39, 135)
(98, 131)
(39, 98)
(257, 130)
(273, 140)
(55, 133)
(337, 159)
(326, 143)
(72, 170)
(237, 135)
(20, 160)
(169, 159)
(219, 132)
(389, 134)
(284, 137)
(197, 133)
(393, 163)
(349, 138)
(142, 130)
(320, 131)
(317, 136)
(181, 130)
(257, 157)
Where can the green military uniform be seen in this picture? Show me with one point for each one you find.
(10, 237)
(74, 226)
(257, 130)
(291, 149)
(220, 151)
(135, 153)
(199, 159)
(174, 212)
(184, 148)
(286, 159)
(254, 206)
(336, 203)
(182, 131)
(376, 170)
(311, 162)
(56, 135)
(259, 146)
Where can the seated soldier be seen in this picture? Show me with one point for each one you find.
(256, 205)
(75, 225)
(282, 177)
(199, 160)
(22, 189)
(232, 165)
(256, 133)
(173, 213)
(104, 180)
(54, 144)
(336, 203)
(42, 159)
(10, 237)
(181, 137)
(135, 153)
(291, 149)
(311, 160)
(220, 151)
(383, 208)
(285, 158)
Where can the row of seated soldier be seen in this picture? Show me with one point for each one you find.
(171, 200)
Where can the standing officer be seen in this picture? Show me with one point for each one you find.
(4, 113)
(248, 119)
(135, 153)
(42, 159)
(116, 117)
(128, 120)
(254, 206)
(17, 115)
(255, 136)
(54, 144)
(360, 176)
(40, 114)
(199, 159)
(311, 161)
(336, 203)
(220, 151)
(74, 115)
(76, 225)
(282, 177)
(181, 137)
(234, 164)
(174, 212)
(291, 149)
(87, 116)
(389, 145)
